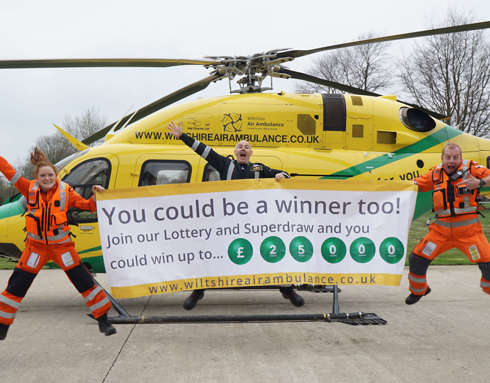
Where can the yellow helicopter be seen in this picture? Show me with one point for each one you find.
(359, 134)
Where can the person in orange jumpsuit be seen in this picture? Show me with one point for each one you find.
(455, 185)
(48, 239)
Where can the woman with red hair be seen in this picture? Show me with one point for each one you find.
(48, 238)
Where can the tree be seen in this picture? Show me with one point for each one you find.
(364, 66)
(55, 146)
(84, 126)
(450, 74)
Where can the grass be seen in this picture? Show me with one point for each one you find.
(5, 264)
(416, 233)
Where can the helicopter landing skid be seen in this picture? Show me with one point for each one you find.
(354, 318)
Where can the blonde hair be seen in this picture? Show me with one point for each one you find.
(39, 159)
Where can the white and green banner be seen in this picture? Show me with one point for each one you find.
(170, 238)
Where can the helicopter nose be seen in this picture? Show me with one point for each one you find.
(11, 224)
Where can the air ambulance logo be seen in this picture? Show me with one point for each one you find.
(232, 122)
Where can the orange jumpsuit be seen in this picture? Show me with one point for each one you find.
(48, 239)
(456, 224)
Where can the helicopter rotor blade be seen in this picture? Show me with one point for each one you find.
(84, 63)
(295, 53)
(321, 81)
(349, 89)
(154, 106)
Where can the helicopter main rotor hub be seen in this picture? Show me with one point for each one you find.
(252, 70)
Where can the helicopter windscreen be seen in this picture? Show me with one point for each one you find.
(95, 171)
(65, 161)
(92, 172)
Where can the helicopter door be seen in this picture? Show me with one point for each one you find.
(334, 120)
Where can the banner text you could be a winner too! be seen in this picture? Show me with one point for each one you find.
(169, 238)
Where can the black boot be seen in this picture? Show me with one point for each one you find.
(412, 298)
(191, 301)
(289, 293)
(3, 331)
(105, 326)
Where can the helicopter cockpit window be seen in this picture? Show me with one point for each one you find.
(82, 178)
(65, 161)
(416, 120)
(164, 172)
(210, 174)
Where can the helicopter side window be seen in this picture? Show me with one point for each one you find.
(92, 172)
(164, 172)
(334, 112)
(416, 120)
(210, 174)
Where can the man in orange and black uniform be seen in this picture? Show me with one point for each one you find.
(230, 169)
(455, 187)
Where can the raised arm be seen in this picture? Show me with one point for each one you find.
(217, 161)
(20, 183)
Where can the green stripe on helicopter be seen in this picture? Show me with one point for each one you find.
(434, 139)
(89, 250)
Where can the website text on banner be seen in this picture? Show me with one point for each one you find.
(168, 238)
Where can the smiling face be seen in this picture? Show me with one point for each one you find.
(243, 152)
(451, 158)
(46, 177)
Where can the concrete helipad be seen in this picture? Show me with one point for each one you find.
(443, 338)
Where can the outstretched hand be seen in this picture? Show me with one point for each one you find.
(175, 129)
(472, 183)
(97, 188)
(279, 176)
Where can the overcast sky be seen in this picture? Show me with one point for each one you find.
(33, 99)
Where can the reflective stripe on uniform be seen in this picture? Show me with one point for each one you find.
(417, 280)
(484, 284)
(206, 152)
(100, 304)
(61, 235)
(456, 224)
(92, 295)
(63, 198)
(7, 315)
(58, 237)
(229, 173)
(15, 178)
(34, 236)
(458, 210)
(414, 290)
(195, 145)
(9, 302)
